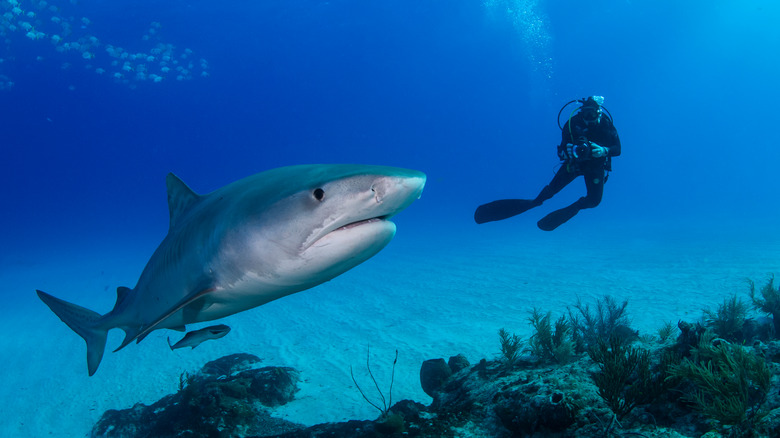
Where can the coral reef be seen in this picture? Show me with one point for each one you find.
(696, 385)
(229, 397)
(485, 399)
(727, 383)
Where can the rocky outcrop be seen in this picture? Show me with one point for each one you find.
(228, 397)
(232, 397)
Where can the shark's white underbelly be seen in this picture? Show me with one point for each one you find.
(242, 296)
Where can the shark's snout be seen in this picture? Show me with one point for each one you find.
(398, 191)
(417, 183)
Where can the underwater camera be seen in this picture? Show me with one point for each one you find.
(582, 151)
(576, 152)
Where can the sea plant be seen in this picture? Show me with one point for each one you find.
(511, 347)
(609, 320)
(647, 338)
(624, 378)
(550, 343)
(726, 382)
(768, 302)
(184, 380)
(727, 322)
(665, 331)
(387, 403)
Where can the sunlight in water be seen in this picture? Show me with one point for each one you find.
(527, 17)
(74, 45)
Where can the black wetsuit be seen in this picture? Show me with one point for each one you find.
(594, 170)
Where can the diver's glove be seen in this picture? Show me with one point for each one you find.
(597, 151)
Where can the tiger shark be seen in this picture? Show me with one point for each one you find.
(253, 241)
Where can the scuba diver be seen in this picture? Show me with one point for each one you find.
(589, 141)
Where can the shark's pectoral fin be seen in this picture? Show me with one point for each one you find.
(141, 333)
(141, 337)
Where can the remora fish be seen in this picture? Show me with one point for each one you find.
(195, 338)
(253, 241)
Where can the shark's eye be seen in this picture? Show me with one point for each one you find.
(319, 194)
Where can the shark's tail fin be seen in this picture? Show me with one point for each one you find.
(82, 321)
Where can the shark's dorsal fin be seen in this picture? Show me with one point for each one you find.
(180, 197)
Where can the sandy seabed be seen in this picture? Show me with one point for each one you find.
(427, 296)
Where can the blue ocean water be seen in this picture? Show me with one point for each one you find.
(466, 91)
(100, 100)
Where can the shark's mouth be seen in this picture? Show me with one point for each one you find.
(359, 223)
(324, 237)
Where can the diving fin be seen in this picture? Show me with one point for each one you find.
(503, 209)
(558, 217)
